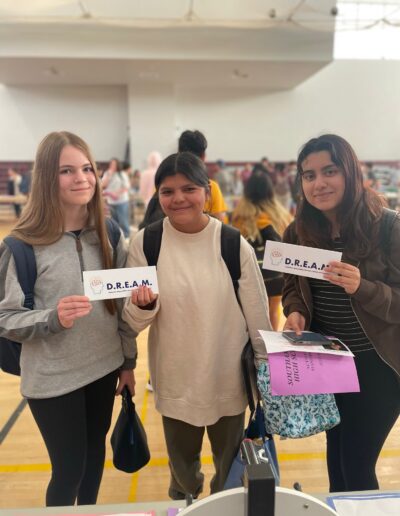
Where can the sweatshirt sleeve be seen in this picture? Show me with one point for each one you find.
(17, 322)
(253, 298)
(137, 318)
(127, 334)
(382, 299)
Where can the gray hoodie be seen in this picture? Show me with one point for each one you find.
(55, 360)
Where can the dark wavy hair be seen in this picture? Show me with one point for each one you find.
(358, 212)
(185, 163)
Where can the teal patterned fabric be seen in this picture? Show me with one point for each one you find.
(295, 416)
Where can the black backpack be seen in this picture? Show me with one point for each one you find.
(25, 263)
(230, 248)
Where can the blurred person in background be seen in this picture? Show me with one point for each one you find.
(196, 143)
(370, 178)
(237, 183)
(115, 185)
(246, 172)
(134, 178)
(268, 167)
(147, 188)
(260, 217)
(13, 188)
(26, 181)
(294, 186)
(282, 186)
(224, 178)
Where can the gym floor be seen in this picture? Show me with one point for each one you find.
(25, 468)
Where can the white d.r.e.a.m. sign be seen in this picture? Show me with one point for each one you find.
(113, 283)
(298, 259)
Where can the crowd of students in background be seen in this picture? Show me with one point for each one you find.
(231, 180)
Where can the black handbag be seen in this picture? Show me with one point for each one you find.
(128, 439)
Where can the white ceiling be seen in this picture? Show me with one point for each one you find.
(146, 12)
(235, 43)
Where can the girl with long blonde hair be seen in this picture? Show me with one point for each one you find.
(260, 217)
(73, 352)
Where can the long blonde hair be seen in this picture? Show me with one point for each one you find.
(42, 220)
(257, 204)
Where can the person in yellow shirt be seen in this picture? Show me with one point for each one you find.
(196, 143)
(215, 204)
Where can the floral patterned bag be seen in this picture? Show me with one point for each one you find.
(295, 416)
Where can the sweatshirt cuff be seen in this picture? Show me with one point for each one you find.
(287, 310)
(54, 323)
(129, 363)
(365, 292)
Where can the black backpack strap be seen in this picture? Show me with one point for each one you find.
(249, 374)
(152, 241)
(230, 252)
(114, 232)
(385, 229)
(25, 263)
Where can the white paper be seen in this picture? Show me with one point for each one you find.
(114, 283)
(385, 504)
(297, 259)
(275, 342)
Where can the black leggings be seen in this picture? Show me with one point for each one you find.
(367, 417)
(74, 428)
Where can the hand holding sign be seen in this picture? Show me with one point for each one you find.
(344, 275)
(72, 307)
(144, 298)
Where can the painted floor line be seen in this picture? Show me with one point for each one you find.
(163, 461)
(12, 420)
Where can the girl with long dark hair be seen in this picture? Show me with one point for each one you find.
(358, 301)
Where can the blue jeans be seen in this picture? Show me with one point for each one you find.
(121, 214)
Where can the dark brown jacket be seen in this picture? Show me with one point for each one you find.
(376, 303)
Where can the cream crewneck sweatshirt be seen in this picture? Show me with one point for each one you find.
(198, 330)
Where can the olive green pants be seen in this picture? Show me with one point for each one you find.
(184, 444)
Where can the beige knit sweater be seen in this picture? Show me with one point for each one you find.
(197, 328)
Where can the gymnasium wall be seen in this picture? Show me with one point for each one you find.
(27, 114)
(357, 99)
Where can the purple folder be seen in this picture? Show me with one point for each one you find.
(297, 372)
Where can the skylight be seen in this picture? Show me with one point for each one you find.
(367, 30)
